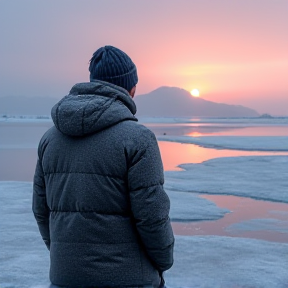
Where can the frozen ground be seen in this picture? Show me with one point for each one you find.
(208, 261)
(246, 143)
(189, 207)
(225, 262)
(24, 258)
(258, 177)
(260, 225)
(27, 119)
(247, 121)
(167, 120)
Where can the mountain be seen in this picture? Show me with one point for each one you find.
(177, 102)
(18, 105)
(162, 102)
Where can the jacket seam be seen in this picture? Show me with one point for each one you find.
(90, 211)
(93, 243)
(92, 173)
(104, 110)
(145, 187)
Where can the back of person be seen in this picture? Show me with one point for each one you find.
(98, 192)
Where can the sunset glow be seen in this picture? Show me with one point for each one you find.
(195, 93)
(221, 56)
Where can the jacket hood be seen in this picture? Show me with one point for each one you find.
(91, 107)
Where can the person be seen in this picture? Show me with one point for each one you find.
(98, 194)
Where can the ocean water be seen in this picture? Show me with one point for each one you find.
(18, 154)
(19, 141)
(228, 206)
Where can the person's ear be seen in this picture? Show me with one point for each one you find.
(132, 92)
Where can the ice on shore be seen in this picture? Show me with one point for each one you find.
(26, 119)
(24, 258)
(246, 143)
(208, 261)
(258, 177)
(268, 224)
(189, 207)
(247, 121)
(225, 262)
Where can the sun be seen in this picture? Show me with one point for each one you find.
(195, 93)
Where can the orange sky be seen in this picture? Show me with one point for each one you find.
(233, 51)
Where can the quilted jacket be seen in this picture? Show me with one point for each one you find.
(98, 193)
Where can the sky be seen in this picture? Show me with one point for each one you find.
(233, 51)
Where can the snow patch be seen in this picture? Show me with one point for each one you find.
(249, 121)
(258, 177)
(269, 224)
(189, 207)
(24, 257)
(214, 262)
(245, 143)
(208, 261)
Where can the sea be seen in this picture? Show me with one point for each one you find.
(200, 142)
(19, 138)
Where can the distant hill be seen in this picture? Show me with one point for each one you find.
(177, 102)
(162, 102)
(18, 105)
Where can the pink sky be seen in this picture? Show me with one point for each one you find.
(233, 51)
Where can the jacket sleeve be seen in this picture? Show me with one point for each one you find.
(150, 204)
(39, 205)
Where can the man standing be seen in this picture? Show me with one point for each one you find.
(98, 187)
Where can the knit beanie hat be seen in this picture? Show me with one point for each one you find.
(112, 65)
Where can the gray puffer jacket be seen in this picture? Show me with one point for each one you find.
(98, 192)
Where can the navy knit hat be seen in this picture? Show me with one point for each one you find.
(112, 65)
